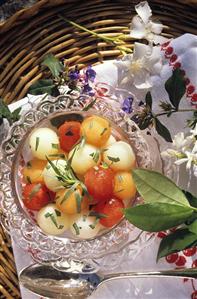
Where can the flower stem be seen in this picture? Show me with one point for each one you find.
(113, 40)
(174, 111)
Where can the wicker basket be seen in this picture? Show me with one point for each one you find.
(32, 32)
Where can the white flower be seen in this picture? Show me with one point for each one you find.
(145, 62)
(180, 142)
(194, 131)
(191, 157)
(143, 27)
(195, 170)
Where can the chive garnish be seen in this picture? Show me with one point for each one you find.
(76, 228)
(104, 130)
(35, 190)
(58, 213)
(29, 164)
(78, 198)
(54, 145)
(28, 179)
(52, 217)
(97, 215)
(95, 156)
(37, 143)
(113, 159)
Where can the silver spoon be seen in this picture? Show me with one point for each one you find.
(79, 282)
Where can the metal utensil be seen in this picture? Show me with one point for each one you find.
(78, 282)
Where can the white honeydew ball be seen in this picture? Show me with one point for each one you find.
(84, 158)
(43, 142)
(50, 176)
(110, 141)
(52, 221)
(120, 156)
(85, 227)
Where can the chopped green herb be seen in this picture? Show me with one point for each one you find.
(47, 215)
(104, 130)
(54, 145)
(28, 179)
(67, 194)
(84, 218)
(119, 191)
(58, 213)
(97, 215)
(62, 156)
(35, 190)
(114, 160)
(95, 156)
(52, 217)
(69, 133)
(37, 143)
(105, 165)
(29, 164)
(93, 225)
(78, 198)
(48, 166)
(60, 227)
(76, 228)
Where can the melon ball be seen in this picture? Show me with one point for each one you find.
(110, 141)
(85, 227)
(43, 142)
(33, 171)
(51, 177)
(84, 158)
(120, 156)
(124, 187)
(52, 221)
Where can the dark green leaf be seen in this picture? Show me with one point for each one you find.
(176, 241)
(149, 100)
(44, 86)
(6, 113)
(154, 217)
(162, 130)
(16, 114)
(145, 122)
(54, 65)
(155, 187)
(176, 87)
(191, 198)
(193, 227)
(90, 105)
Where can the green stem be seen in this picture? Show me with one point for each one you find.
(174, 111)
(114, 41)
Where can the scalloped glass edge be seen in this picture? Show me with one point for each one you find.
(28, 236)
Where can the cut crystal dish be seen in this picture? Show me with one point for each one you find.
(28, 235)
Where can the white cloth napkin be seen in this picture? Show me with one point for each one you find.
(185, 49)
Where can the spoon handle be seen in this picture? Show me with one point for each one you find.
(184, 273)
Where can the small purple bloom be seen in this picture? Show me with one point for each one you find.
(90, 74)
(74, 74)
(127, 105)
(86, 88)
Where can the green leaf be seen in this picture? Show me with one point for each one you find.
(179, 240)
(154, 217)
(193, 227)
(44, 86)
(6, 113)
(16, 114)
(175, 87)
(54, 65)
(149, 100)
(162, 130)
(155, 187)
(191, 198)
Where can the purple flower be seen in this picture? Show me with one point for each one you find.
(86, 88)
(90, 74)
(127, 105)
(74, 74)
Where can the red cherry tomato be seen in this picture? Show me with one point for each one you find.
(100, 182)
(69, 134)
(112, 209)
(36, 196)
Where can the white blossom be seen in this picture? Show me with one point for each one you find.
(143, 27)
(194, 132)
(140, 66)
(180, 142)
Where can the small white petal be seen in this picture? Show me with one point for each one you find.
(144, 11)
(138, 29)
(140, 50)
(142, 80)
(158, 39)
(180, 161)
(195, 170)
(156, 27)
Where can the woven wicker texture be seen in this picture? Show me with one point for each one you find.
(27, 36)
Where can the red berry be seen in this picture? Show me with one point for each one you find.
(189, 251)
(194, 264)
(181, 261)
(190, 89)
(177, 65)
(194, 295)
(172, 258)
(173, 58)
(194, 97)
(165, 44)
(161, 235)
(169, 51)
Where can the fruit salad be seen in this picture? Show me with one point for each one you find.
(78, 180)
